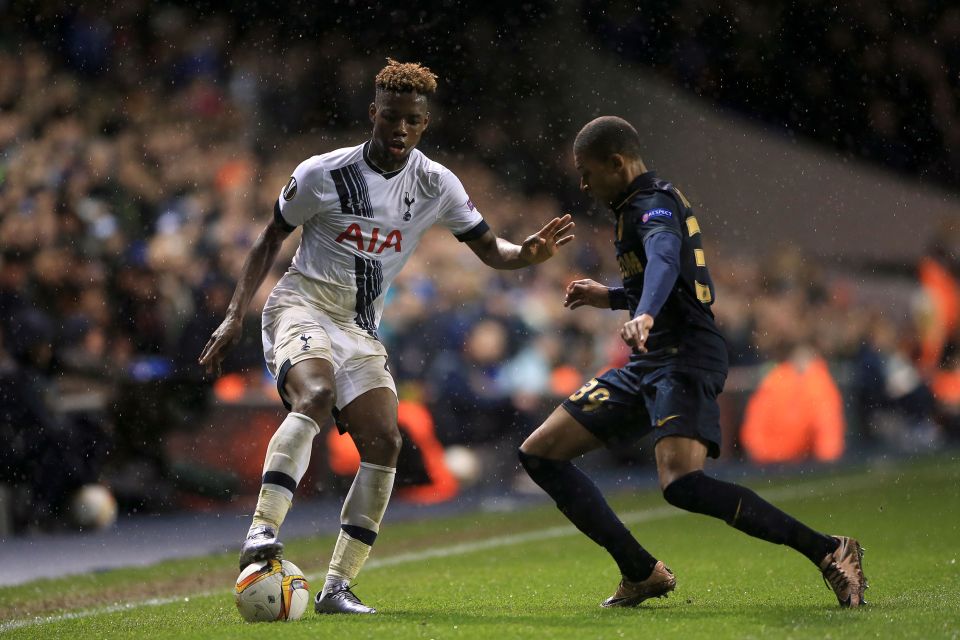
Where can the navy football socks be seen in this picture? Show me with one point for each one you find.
(743, 509)
(579, 499)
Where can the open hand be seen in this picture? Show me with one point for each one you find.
(542, 245)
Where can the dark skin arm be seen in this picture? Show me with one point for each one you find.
(255, 269)
(541, 246)
(588, 293)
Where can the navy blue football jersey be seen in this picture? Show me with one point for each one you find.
(684, 331)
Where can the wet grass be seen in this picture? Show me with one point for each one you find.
(522, 575)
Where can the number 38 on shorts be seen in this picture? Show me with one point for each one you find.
(589, 397)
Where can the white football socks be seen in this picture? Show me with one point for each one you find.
(360, 520)
(288, 456)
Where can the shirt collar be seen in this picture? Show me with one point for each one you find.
(643, 182)
(374, 167)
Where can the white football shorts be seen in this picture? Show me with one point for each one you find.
(293, 332)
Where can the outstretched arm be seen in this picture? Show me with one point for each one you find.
(255, 269)
(541, 246)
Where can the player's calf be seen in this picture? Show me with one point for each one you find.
(288, 455)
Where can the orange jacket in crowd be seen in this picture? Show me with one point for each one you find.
(942, 289)
(795, 414)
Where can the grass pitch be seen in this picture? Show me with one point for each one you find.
(528, 574)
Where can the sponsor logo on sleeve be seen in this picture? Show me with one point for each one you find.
(470, 204)
(657, 213)
(290, 190)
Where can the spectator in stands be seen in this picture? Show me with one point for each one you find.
(45, 456)
(796, 413)
(895, 403)
(836, 72)
(468, 382)
(938, 305)
(937, 324)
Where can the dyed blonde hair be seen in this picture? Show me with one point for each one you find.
(406, 76)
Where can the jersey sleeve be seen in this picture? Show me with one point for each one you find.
(457, 212)
(300, 199)
(663, 267)
(657, 214)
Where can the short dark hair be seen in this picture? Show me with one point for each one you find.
(406, 76)
(606, 136)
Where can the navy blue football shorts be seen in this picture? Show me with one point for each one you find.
(628, 403)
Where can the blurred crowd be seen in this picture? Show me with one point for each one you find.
(141, 152)
(875, 79)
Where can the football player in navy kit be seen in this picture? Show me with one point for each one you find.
(669, 387)
(363, 210)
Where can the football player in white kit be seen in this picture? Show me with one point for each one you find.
(363, 210)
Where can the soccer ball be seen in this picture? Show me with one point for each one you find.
(464, 464)
(93, 507)
(272, 590)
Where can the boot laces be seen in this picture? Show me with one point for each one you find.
(344, 593)
(835, 577)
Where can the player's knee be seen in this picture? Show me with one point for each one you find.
(528, 448)
(316, 401)
(682, 491)
(667, 476)
(539, 446)
(378, 442)
(673, 468)
(538, 467)
(392, 439)
(526, 459)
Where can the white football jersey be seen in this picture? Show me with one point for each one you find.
(360, 226)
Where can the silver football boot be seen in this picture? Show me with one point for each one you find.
(261, 544)
(336, 597)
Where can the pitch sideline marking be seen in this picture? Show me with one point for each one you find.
(817, 488)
